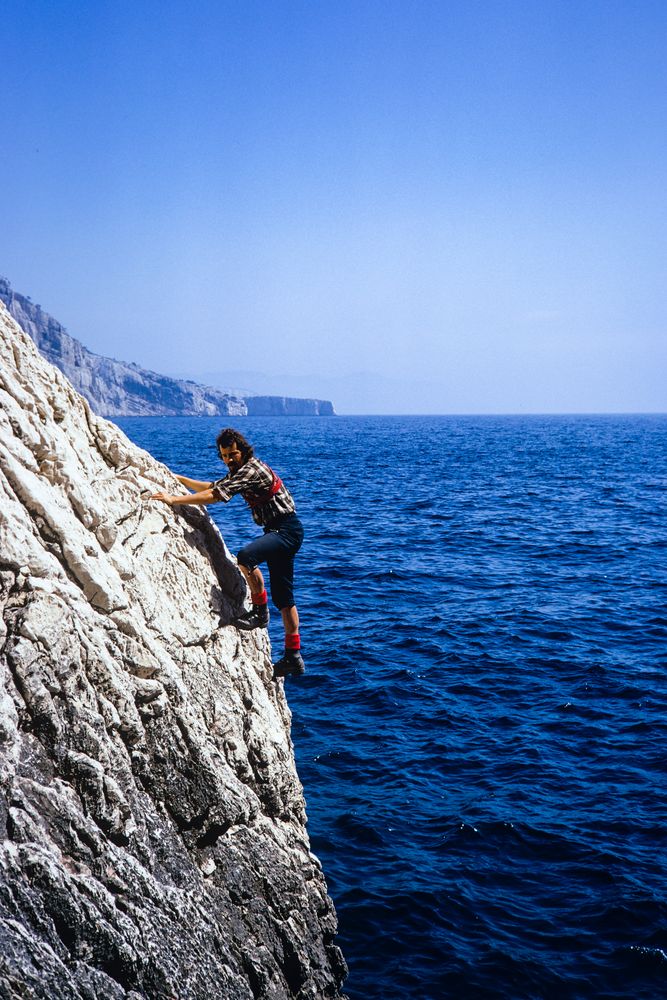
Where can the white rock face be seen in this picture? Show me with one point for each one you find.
(152, 823)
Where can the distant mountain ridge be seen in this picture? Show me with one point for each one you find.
(118, 388)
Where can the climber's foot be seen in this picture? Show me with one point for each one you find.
(257, 617)
(290, 665)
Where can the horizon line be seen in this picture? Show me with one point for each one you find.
(328, 416)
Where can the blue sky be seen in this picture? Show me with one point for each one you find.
(408, 206)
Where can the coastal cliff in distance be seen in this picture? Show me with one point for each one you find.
(152, 824)
(116, 388)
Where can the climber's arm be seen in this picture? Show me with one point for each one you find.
(193, 484)
(204, 496)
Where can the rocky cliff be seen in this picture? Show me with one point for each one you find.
(287, 406)
(152, 824)
(116, 388)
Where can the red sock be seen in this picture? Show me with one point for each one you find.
(262, 598)
(293, 641)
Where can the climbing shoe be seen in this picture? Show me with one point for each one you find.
(257, 617)
(290, 665)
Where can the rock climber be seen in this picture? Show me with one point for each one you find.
(273, 509)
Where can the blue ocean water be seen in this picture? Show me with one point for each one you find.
(482, 731)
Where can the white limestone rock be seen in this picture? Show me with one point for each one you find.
(152, 824)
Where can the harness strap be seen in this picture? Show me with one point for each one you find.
(257, 499)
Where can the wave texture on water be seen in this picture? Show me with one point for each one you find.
(481, 732)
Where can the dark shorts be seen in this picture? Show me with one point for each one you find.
(277, 548)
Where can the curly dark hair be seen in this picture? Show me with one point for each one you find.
(229, 436)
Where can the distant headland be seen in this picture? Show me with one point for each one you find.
(118, 388)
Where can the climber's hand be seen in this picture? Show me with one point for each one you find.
(164, 497)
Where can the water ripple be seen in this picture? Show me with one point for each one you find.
(481, 733)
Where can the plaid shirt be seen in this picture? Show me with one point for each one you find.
(252, 478)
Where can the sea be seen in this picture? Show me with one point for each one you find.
(482, 729)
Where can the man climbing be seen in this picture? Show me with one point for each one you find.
(273, 509)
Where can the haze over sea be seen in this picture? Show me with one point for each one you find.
(481, 731)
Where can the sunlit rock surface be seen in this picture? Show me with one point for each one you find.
(152, 838)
